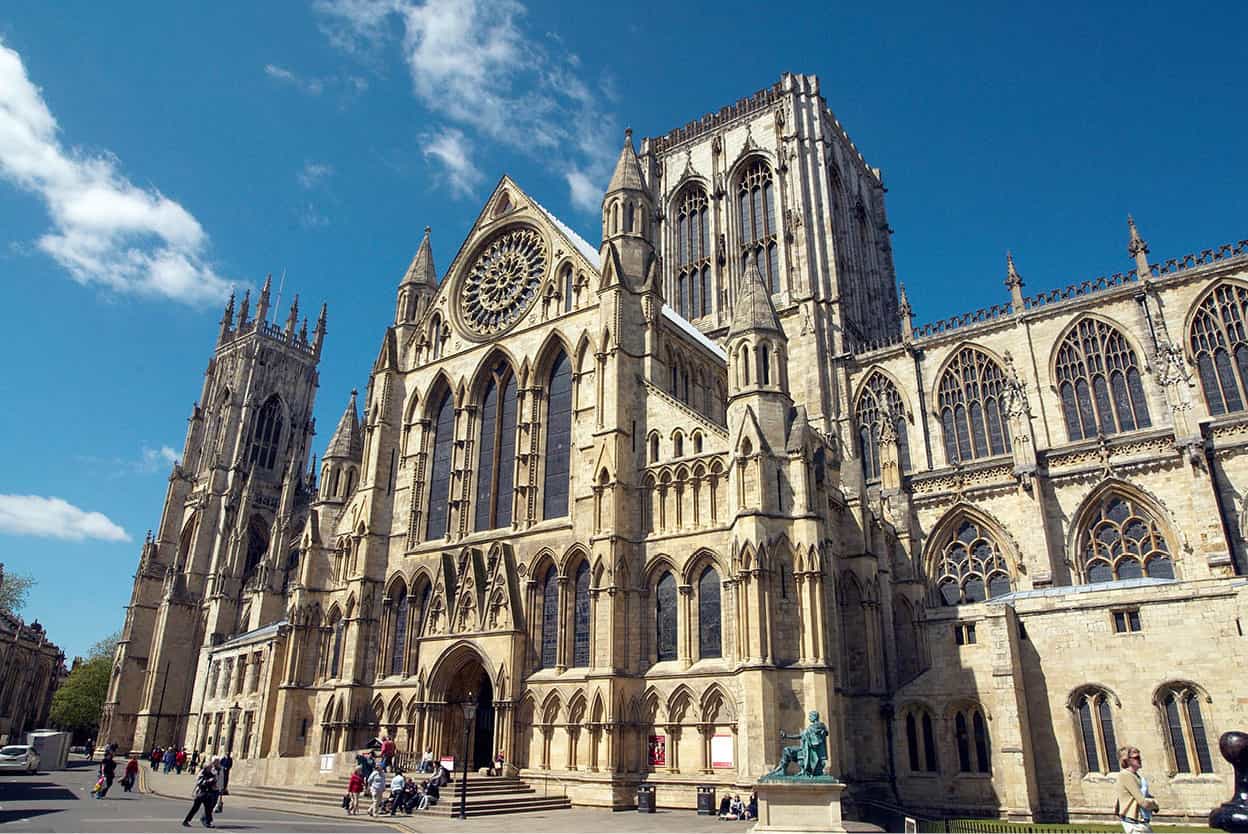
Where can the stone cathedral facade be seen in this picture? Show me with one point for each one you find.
(648, 502)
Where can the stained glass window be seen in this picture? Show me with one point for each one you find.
(264, 440)
(1096, 731)
(440, 469)
(756, 200)
(497, 450)
(962, 737)
(1122, 540)
(971, 568)
(558, 440)
(568, 292)
(398, 633)
(929, 745)
(665, 617)
(550, 619)
(335, 657)
(580, 622)
(1185, 730)
(972, 409)
(709, 621)
(693, 252)
(1098, 379)
(877, 393)
(422, 609)
(983, 756)
(1219, 343)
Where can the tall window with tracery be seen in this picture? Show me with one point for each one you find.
(1095, 719)
(558, 439)
(878, 395)
(335, 656)
(497, 459)
(1186, 738)
(264, 441)
(693, 253)
(398, 631)
(580, 619)
(440, 446)
(550, 619)
(971, 567)
(665, 617)
(757, 205)
(710, 627)
(972, 411)
(1219, 342)
(971, 736)
(1122, 540)
(1098, 379)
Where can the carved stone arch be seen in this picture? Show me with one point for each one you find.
(716, 706)
(958, 532)
(551, 707)
(1128, 334)
(652, 708)
(378, 708)
(1177, 683)
(945, 527)
(700, 559)
(690, 179)
(949, 358)
(500, 683)
(1140, 499)
(395, 710)
(849, 589)
(332, 614)
(889, 377)
(419, 696)
(439, 386)
(748, 155)
(552, 345)
(327, 716)
(656, 567)
(680, 474)
(483, 372)
(1073, 698)
(572, 557)
(541, 560)
(413, 709)
(680, 704)
(451, 661)
(578, 706)
(598, 572)
(1189, 319)
(351, 605)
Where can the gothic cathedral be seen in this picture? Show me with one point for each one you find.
(649, 502)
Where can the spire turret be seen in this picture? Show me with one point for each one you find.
(242, 313)
(626, 206)
(262, 308)
(347, 441)
(1014, 283)
(318, 335)
(752, 311)
(227, 319)
(419, 284)
(1138, 249)
(906, 314)
(293, 318)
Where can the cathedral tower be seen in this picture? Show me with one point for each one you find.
(219, 562)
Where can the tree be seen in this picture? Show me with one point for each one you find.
(14, 588)
(105, 648)
(77, 704)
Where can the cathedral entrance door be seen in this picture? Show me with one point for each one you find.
(470, 681)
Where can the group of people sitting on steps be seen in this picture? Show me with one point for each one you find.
(375, 774)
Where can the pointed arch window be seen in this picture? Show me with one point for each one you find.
(710, 626)
(440, 467)
(335, 656)
(971, 734)
(971, 567)
(580, 621)
(398, 631)
(920, 741)
(972, 411)
(756, 203)
(1098, 378)
(1122, 540)
(566, 288)
(550, 619)
(558, 439)
(1186, 739)
(665, 617)
(880, 396)
(693, 252)
(264, 440)
(1095, 718)
(1219, 343)
(496, 461)
(422, 609)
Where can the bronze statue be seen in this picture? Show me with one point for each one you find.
(811, 755)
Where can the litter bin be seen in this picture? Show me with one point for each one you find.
(706, 801)
(645, 799)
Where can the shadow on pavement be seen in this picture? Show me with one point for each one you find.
(14, 816)
(34, 792)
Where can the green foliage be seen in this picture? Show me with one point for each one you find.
(77, 704)
(105, 648)
(14, 589)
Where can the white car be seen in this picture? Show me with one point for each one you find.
(19, 757)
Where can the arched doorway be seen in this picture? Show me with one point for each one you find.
(466, 678)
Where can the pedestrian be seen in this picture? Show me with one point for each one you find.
(426, 762)
(499, 761)
(751, 807)
(355, 786)
(397, 784)
(169, 758)
(205, 794)
(132, 773)
(1133, 807)
(194, 761)
(155, 758)
(108, 769)
(223, 767)
(365, 763)
(376, 787)
(387, 752)
(90, 749)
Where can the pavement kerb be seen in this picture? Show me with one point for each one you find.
(144, 787)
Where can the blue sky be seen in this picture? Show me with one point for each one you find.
(152, 154)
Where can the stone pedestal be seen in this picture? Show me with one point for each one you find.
(799, 805)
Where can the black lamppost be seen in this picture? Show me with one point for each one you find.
(235, 711)
(469, 707)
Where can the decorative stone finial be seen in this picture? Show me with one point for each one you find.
(1014, 282)
(1138, 249)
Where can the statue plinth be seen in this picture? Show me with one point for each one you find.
(1232, 815)
(799, 805)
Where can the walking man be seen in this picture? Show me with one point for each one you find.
(205, 795)
(1134, 806)
(108, 769)
(227, 762)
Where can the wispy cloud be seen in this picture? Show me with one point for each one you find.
(106, 231)
(153, 459)
(314, 86)
(55, 518)
(313, 174)
(449, 147)
(474, 63)
(149, 460)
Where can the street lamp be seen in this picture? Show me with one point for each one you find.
(235, 711)
(469, 706)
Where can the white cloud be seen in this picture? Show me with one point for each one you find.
(586, 194)
(449, 147)
(313, 173)
(106, 230)
(154, 458)
(55, 518)
(474, 63)
(311, 86)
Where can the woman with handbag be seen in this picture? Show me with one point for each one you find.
(205, 794)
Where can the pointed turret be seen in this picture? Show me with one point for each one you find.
(303, 331)
(752, 311)
(627, 208)
(262, 307)
(1138, 249)
(318, 335)
(242, 312)
(627, 176)
(906, 315)
(227, 319)
(347, 442)
(758, 360)
(419, 284)
(1014, 283)
(293, 318)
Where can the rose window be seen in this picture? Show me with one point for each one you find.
(503, 281)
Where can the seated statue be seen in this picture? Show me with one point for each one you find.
(811, 755)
